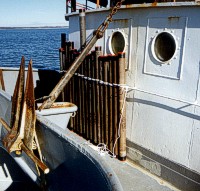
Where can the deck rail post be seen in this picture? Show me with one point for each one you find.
(69, 46)
(90, 98)
(73, 5)
(2, 86)
(115, 93)
(105, 101)
(85, 109)
(94, 98)
(110, 104)
(122, 107)
(98, 53)
(72, 85)
(82, 25)
(101, 121)
(62, 52)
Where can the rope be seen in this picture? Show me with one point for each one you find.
(102, 148)
(101, 81)
(125, 89)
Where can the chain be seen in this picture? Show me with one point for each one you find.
(114, 11)
(100, 31)
(65, 79)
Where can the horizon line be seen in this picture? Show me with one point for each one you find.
(12, 27)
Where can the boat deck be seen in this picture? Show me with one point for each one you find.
(131, 177)
(134, 178)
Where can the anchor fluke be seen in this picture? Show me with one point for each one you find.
(21, 134)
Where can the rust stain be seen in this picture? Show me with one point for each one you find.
(110, 174)
(11, 140)
(154, 4)
(129, 6)
(173, 17)
(143, 5)
(62, 105)
(29, 103)
(136, 6)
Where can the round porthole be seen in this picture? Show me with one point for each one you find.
(164, 47)
(117, 43)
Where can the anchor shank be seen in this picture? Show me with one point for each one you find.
(5, 125)
(40, 164)
(64, 80)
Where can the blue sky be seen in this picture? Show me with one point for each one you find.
(32, 13)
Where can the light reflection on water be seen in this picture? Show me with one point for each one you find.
(40, 45)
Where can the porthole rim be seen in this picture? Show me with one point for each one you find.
(153, 49)
(110, 40)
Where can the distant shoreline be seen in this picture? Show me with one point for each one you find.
(41, 27)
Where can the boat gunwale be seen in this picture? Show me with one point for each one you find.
(10, 69)
(83, 146)
(143, 5)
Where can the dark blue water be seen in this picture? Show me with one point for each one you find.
(40, 45)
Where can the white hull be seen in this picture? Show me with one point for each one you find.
(163, 97)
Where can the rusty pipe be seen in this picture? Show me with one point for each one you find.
(68, 75)
(122, 108)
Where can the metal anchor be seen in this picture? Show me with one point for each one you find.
(22, 135)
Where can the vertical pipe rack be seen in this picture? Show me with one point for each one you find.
(96, 90)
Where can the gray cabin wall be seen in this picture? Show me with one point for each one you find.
(163, 103)
(163, 99)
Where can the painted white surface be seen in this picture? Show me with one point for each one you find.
(5, 178)
(163, 109)
(60, 115)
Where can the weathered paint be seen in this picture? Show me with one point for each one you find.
(56, 144)
(59, 113)
(163, 101)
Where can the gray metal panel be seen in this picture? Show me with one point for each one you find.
(163, 107)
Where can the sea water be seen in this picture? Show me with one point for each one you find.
(41, 45)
